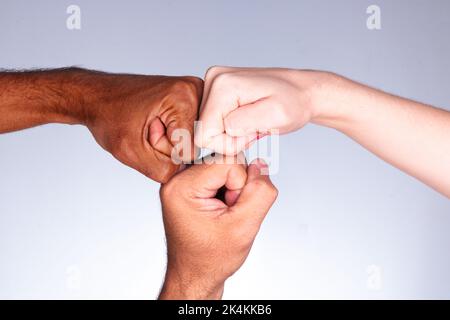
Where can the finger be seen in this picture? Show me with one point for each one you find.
(210, 76)
(207, 178)
(258, 194)
(219, 98)
(214, 109)
(258, 117)
(229, 145)
(158, 138)
(147, 153)
(148, 161)
(162, 168)
(231, 196)
(224, 93)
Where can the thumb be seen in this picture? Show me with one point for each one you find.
(158, 138)
(258, 117)
(258, 194)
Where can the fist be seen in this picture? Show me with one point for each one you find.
(212, 213)
(240, 105)
(135, 117)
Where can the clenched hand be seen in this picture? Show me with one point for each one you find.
(212, 213)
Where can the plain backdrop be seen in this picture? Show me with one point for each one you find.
(75, 223)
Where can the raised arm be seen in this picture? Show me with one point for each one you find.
(131, 116)
(249, 102)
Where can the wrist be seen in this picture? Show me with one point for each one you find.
(180, 286)
(332, 97)
(87, 92)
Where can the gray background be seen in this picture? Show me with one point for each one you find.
(75, 223)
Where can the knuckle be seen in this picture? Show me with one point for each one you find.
(274, 192)
(259, 184)
(221, 81)
(198, 82)
(196, 85)
(187, 92)
(213, 71)
(264, 187)
(180, 85)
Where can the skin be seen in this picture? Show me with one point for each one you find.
(244, 103)
(131, 116)
(208, 236)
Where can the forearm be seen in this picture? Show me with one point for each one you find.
(411, 136)
(179, 287)
(33, 98)
(69, 95)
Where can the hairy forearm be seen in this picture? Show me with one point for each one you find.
(69, 95)
(180, 287)
(411, 136)
(33, 98)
